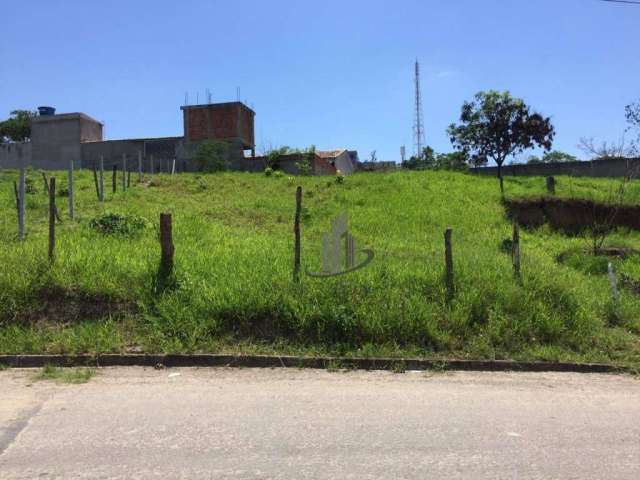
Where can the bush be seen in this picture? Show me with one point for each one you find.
(278, 174)
(213, 156)
(339, 177)
(117, 224)
(268, 171)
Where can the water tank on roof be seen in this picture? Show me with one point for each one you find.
(44, 111)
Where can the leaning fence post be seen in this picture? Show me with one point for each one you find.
(17, 195)
(140, 178)
(114, 179)
(515, 250)
(71, 209)
(101, 178)
(22, 202)
(173, 166)
(52, 219)
(448, 262)
(95, 180)
(167, 250)
(46, 184)
(124, 172)
(296, 232)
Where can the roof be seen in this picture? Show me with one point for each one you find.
(64, 116)
(330, 153)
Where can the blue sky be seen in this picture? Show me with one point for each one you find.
(329, 73)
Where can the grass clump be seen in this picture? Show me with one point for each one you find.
(118, 224)
(65, 375)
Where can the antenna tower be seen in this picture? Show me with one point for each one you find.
(418, 126)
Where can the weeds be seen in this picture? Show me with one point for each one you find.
(65, 375)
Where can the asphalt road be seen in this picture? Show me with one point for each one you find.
(134, 423)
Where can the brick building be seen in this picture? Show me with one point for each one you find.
(58, 139)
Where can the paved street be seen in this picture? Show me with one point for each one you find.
(134, 423)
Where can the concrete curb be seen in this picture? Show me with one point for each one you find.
(271, 361)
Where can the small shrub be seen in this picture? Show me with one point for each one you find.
(339, 177)
(268, 171)
(506, 246)
(63, 191)
(117, 224)
(30, 186)
(278, 174)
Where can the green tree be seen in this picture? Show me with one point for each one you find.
(426, 160)
(558, 157)
(452, 161)
(17, 128)
(212, 156)
(496, 125)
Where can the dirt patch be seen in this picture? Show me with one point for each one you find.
(571, 215)
(62, 306)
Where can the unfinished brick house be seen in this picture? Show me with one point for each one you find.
(58, 139)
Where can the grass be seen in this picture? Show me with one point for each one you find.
(234, 254)
(65, 375)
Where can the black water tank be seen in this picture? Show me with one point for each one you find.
(44, 111)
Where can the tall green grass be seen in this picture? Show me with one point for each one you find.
(234, 258)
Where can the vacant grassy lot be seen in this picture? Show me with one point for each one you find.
(234, 257)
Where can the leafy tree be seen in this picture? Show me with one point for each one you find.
(452, 161)
(274, 156)
(424, 161)
(17, 128)
(496, 125)
(305, 165)
(558, 157)
(212, 156)
(552, 157)
(430, 160)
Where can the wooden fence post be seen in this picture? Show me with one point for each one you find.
(46, 184)
(101, 178)
(124, 172)
(95, 180)
(16, 193)
(296, 232)
(70, 186)
(173, 166)
(115, 178)
(140, 177)
(515, 245)
(167, 250)
(52, 219)
(151, 164)
(22, 200)
(448, 262)
(551, 185)
(129, 179)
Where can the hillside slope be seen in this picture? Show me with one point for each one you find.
(234, 255)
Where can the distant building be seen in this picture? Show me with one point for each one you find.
(58, 139)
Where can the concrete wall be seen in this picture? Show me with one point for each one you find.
(614, 167)
(161, 150)
(13, 154)
(56, 139)
(344, 163)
